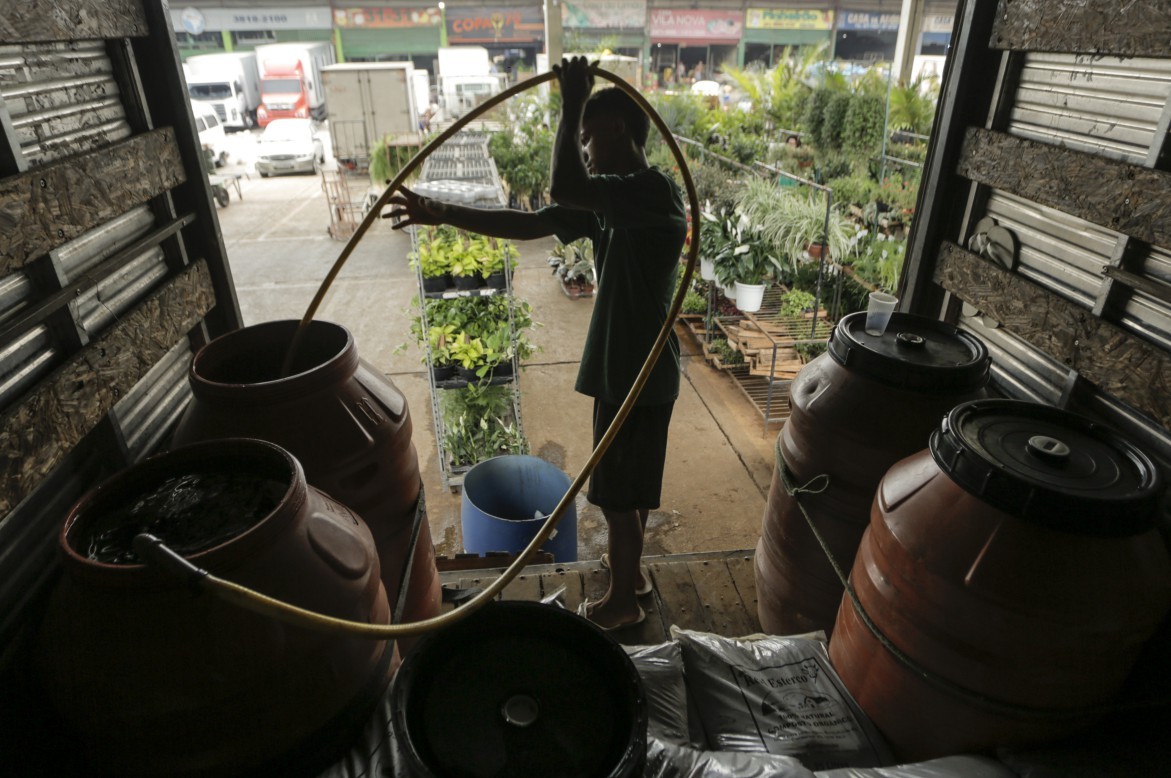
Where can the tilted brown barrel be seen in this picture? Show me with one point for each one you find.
(346, 423)
(154, 678)
(1016, 560)
(856, 410)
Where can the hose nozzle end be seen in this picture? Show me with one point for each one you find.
(153, 552)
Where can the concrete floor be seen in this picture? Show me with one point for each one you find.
(720, 459)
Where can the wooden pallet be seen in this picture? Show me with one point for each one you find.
(710, 591)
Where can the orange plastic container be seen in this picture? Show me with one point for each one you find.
(346, 423)
(157, 679)
(1016, 560)
(856, 410)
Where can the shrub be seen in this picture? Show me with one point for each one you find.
(863, 124)
(814, 114)
(829, 134)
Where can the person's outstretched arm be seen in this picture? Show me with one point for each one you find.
(499, 223)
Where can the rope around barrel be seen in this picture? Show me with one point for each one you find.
(906, 660)
(156, 553)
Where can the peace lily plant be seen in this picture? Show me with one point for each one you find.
(746, 262)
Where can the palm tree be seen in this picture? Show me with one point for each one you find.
(912, 106)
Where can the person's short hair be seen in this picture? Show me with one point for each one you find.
(612, 101)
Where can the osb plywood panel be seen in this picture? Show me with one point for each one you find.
(1130, 199)
(1137, 28)
(29, 21)
(1117, 362)
(37, 432)
(42, 209)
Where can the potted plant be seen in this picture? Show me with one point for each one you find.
(746, 264)
(492, 264)
(468, 354)
(796, 224)
(574, 267)
(439, 339)
(465, 267)
(712, 240)
(434, 263)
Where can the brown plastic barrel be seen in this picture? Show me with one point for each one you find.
(1016, 561)
(348, 424)
(855, 411)
(156, 679)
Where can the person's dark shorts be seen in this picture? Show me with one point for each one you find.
(630, 474)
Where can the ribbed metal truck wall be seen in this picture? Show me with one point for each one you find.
(1054, 122)
(112, 268)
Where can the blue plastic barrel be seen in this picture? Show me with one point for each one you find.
(505, 501)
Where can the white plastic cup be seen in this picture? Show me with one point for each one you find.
(878, 312)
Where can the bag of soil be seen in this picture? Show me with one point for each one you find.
(777, 695)
(660, 667)
(963, 766)
(671, 760)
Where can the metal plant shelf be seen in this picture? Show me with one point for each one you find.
(766, 336)
(464, 153)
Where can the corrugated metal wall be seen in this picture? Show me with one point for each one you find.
(62, 98)
(1108, 106)
(1093, 79)
(67, 103)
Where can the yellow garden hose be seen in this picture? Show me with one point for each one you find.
(154, 552)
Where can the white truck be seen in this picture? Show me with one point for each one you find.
(290, 80)
(368, 101)
(466, 79)
(229, 83)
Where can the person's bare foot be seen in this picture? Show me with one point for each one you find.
(607, 616)
(644, 584)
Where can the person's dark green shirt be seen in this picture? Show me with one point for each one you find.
(637, 238)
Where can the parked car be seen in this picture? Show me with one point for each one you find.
(210, 131)
(289, 146)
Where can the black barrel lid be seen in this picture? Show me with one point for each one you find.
(1049, 466)
(915, 353)
(520, 690)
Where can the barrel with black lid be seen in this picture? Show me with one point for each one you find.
(1015, 563)
(856, 410)
(517, 690)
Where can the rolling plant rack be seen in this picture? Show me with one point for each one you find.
(463, 172)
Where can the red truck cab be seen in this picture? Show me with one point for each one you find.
(282, 91)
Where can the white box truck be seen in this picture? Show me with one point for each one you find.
(290, 80)
(466, 79)
(229, 83)
(368, 101)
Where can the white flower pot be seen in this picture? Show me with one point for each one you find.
(707, 269)
(729, 292)
(749, 296)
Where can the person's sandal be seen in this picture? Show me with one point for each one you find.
(641, 591)
(583, 610)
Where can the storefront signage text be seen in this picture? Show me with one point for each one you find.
(604, 14)
(681, 23)
(195, 20)
(524, 24)
(386, 17)
(861, 20)
(788, 19)
(938, 23)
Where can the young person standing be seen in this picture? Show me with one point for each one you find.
(603, 188)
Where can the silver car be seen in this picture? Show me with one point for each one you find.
(289, 146)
